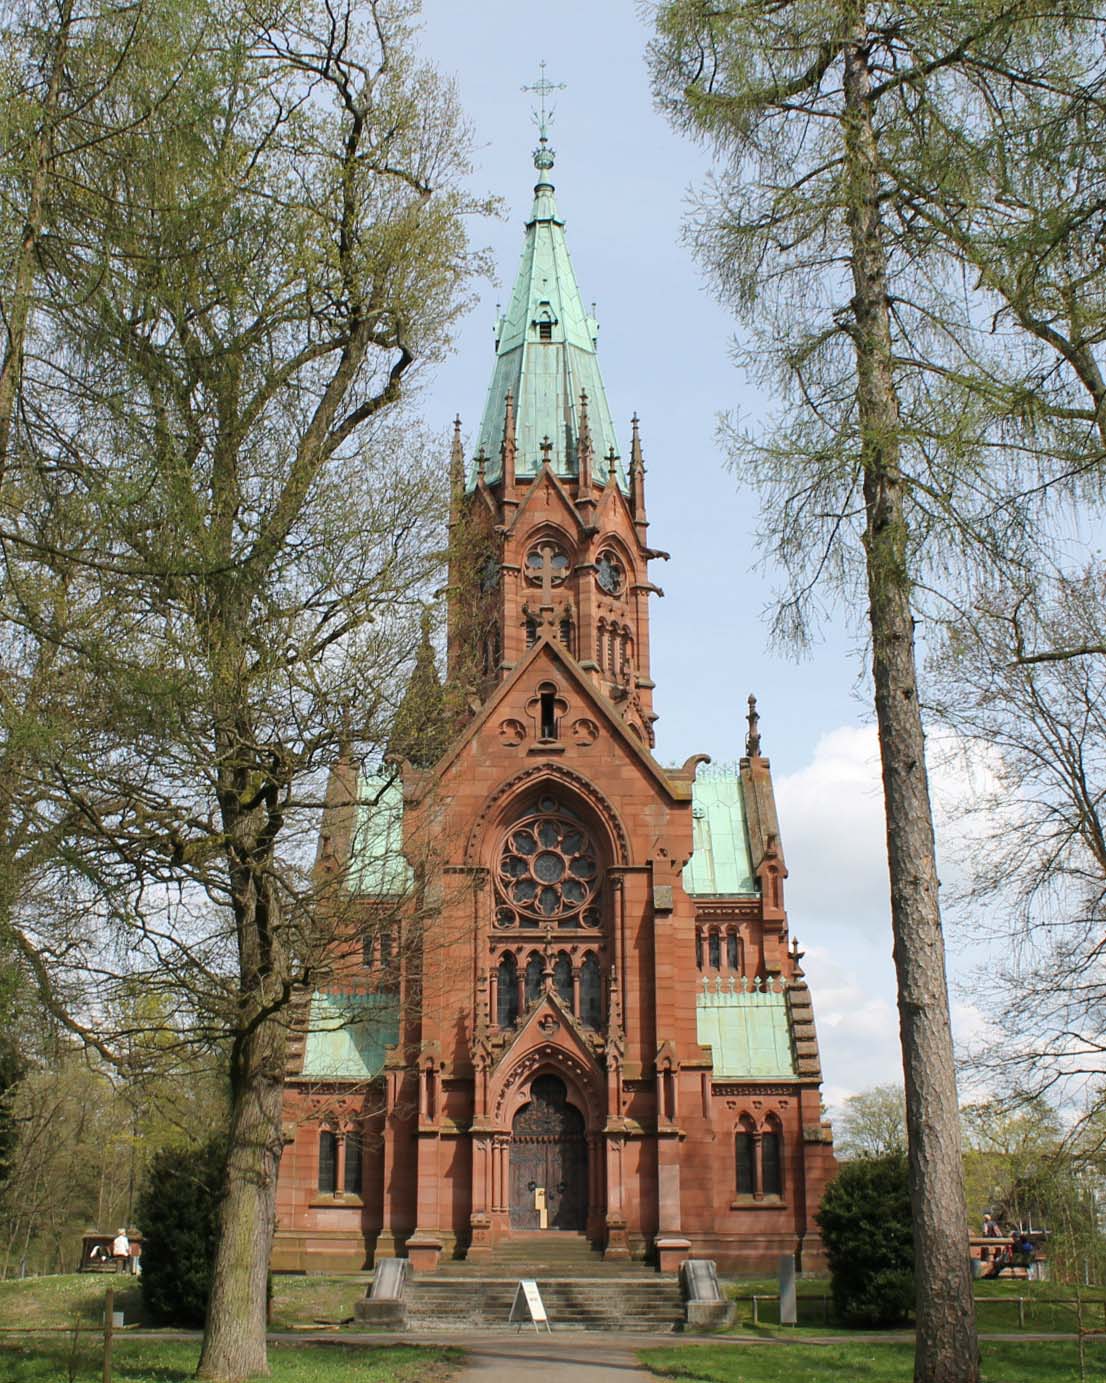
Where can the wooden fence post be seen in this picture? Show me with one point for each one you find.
(109, 1320)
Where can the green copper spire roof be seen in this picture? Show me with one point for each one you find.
(545, 355)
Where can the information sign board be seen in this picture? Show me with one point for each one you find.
(528, 1302)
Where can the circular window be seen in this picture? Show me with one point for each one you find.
(547, 559)
(610, 574)
(548, 871)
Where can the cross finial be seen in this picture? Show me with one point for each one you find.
(542, 87)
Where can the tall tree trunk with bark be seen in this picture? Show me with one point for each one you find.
(947, 1349)
(234, 1341)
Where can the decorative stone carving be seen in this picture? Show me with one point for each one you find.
(584, 732)
(511, 733)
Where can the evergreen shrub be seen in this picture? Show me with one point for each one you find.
(178, 1214)
(868, 1232)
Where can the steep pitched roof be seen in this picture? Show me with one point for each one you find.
(546, 354)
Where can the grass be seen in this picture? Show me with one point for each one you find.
(859, 1361)
(38, 1302)
(66, 1360)
(1043, 1310)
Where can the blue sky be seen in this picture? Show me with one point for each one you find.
(622, 179)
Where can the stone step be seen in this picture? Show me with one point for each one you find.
(615, 1304)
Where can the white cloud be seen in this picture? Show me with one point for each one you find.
(831, 820)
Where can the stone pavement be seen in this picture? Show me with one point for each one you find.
(575, 1358)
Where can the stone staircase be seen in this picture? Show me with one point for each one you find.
(579, 1290)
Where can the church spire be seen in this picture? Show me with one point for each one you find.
(420, 729)
(546, 352)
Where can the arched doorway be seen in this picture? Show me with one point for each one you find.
(549, 1149)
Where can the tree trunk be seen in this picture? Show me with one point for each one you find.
(947, 1349)
(234, 1338)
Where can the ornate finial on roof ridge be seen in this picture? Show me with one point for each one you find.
(456, 459)
(636, 460)
(752, 740)
(543, 154)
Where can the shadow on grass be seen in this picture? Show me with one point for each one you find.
(842, 1361)
(173, 1361)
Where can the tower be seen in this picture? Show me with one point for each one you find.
(590, 1017)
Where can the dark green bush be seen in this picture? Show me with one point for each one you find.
(178, 1212)
(868, 1231)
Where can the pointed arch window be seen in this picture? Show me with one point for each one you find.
(534, 968)
(745, 1158)
(714, 945)
(506, 1001)
(562, 980)
(351, 1177)
(328, 1162)
(733, 951)
(591, 997)
(771, 1166)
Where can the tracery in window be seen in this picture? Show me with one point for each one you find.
(547, 559)
(548, 870)
(610, 575)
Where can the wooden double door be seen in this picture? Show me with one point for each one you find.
(549, 1152)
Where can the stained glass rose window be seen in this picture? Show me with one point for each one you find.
(548, 871)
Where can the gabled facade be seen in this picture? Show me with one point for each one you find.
(597, 1021)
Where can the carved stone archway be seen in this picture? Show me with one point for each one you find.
(548, 1161)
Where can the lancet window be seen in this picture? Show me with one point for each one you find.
(758, 1159)
(562, 980)
(746, 1177)
(507, 991)
(534, 968)
(720, 949)
(328, 1162)
(351, 1176)
(591, 996)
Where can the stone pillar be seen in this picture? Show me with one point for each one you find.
(618, 1240)
(480, 1221)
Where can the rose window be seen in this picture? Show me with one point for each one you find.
(609, 574)
(548, 871)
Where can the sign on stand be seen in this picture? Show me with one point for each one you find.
(528, 1302)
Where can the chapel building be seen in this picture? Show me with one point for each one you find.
(569, 1000)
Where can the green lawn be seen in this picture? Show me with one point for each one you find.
(858, 1362)
(67, 1360)
(69, 1297)
(1046, 1306)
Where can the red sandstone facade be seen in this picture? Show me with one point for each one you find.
(558, 969)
